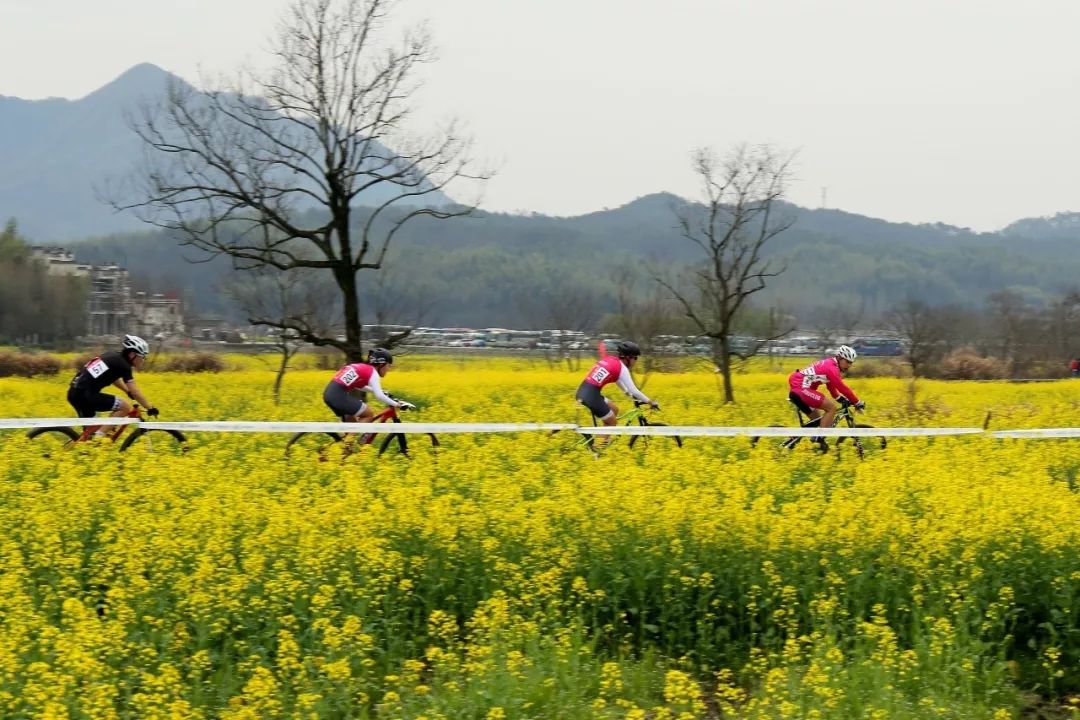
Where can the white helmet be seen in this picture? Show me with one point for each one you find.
(847, 352)
(136, 343)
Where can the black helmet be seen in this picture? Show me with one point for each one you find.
(379, 356)
(627, 349)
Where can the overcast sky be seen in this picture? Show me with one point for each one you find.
(959, 111)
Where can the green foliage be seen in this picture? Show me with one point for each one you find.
(34, 306)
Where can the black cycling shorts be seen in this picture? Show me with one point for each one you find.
(337, 398)
(589, 395)
(801, 404)
(87, 404)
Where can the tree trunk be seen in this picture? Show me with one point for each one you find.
(354, 350)
(285, 355)
(723, 361)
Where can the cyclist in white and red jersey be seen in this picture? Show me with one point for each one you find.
(361, 377)
(611, 369)
(804, 385)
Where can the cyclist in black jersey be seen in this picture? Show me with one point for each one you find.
(111, 368)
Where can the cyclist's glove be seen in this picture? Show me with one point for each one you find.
(402, 405)
(152, 412)
(655, 405)
(860, 406)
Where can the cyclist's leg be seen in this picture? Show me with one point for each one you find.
(345, 406)
(815, 405)
(828, 407)
(89, 404)
(600, 407)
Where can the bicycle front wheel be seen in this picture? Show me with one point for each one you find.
(634, 438)
(172, 440)
(862, 444)
(403, 443)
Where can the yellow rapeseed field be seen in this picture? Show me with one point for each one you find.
(515, 576)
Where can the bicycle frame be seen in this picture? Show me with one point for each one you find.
(389, 414)
(635, 414)
(843, 413)
(113, 433)
(352, 442)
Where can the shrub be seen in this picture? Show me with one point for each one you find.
(194, 362)
(966, 364)
(27, 365)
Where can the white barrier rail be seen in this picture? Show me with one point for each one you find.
(343, 427)
(12, 423)
(225, 426)
(1038, 433)
(723, 431)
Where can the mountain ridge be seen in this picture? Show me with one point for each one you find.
(56, 156)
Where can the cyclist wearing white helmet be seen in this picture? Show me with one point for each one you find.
(115, 367)
(357, 377)
(611, 369)
(803, 386)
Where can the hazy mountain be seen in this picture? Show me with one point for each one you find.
(56, 155)
(53, 152)
(489, 270)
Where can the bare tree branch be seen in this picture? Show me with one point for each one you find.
(738, 216)
(271, 171)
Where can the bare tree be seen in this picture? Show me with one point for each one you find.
(838, 320)
(564, 306)
(641, 316)
(740, 214)
(925, 331)
(1065, 326)
(271, 172)
(285, 300)
(395, 302)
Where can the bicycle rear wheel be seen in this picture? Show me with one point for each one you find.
(53, 438)
(173, 440)
(308, 443)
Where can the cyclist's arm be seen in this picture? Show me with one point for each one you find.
(376, 389)
(134, 392)
(626, 384)
(836, 385)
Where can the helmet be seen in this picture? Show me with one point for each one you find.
(627, 349)
(379, 356)
(136, 343)
(847, 352)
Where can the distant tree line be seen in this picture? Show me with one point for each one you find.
(36, 308)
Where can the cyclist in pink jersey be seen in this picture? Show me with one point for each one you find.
(361, 377)
(611, 369)
(804, 385)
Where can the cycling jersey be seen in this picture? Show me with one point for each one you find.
(806, 381)
(610, 369)
(361, 376)
(102, 371)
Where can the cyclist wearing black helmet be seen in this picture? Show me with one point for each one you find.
(611, 369)
(110, 368)
(361, 377)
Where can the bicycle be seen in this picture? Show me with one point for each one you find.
(68, 436)
(845, 414)
(636, 414)
(315, 441)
